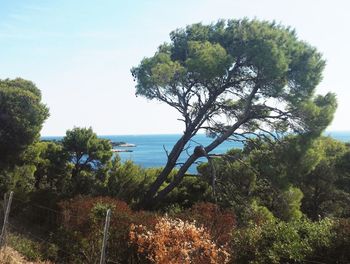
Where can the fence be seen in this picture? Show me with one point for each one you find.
(12, 223)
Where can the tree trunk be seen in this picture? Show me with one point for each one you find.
(147, 201)
(153, 197)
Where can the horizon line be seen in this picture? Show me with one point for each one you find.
(159, 134)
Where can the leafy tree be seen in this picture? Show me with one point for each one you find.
(316, 167)
(325, 188)
(343, 169)
(127, 181)
(233, 78)
(42, 166)
(290, 204)
(90, 156)
(338, 250)
(235, 182)
(19, 179)
(250, 175)
(22, 115)
(52, 167)
(189, 192)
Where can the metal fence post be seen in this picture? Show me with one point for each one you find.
(105, 237)
(7, 212)
(5, 202)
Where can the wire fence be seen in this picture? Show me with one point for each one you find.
(26, 224)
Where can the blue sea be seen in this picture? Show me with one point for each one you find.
(150, 149)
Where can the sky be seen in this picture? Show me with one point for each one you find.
(79, 53)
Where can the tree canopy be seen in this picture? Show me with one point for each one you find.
(234, 78)
(90, 155)
(285, 177)
(22, 115)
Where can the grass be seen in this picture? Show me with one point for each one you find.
(24, 250)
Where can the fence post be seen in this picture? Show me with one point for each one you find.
(7, 212)
(105, 237)
(5, 202)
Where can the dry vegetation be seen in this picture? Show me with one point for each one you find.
(177, 241)
(10, 256)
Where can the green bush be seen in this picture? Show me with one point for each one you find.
(280, 242)
(338, 250)
(33, 250)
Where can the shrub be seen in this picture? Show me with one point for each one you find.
(190, 191)
(219, 223)
(280, 242)
(83, 220)
(28, 248)
(337, 251)
(33, 250)
(176, 241)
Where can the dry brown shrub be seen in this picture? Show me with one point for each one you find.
(10, 256)
(178, 242)
(218, 222)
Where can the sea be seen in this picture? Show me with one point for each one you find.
(151, 150)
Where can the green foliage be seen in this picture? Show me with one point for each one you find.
(280, 242)
(323, 188)
(343, 168)
(291, 176)
(98, 212)
(255, 75)
(20, 179)
(207, 60)
(235, 181)
(318, 114)
(281, 162)
(257, 214)
(127, 181)
(290, 204)
(42, 166)
(240, 182)
(52, 168)
(310, 164)
(90, 157)
(33, 250)
(28, 248)
(338, 250)
(267, 53)
(22, 115)
(191, 190)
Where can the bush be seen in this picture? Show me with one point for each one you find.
(33, 250)
(281, 242)
(83, 220)
(176, 241)
(217, 222)
(128, 181)
(190, 191)
(338, 250)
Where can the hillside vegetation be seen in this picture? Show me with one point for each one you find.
(284, 197)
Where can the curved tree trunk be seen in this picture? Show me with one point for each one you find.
(148, 202)
(153, 197)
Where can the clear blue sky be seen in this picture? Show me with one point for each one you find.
(79, 53)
